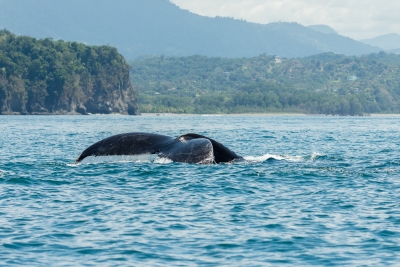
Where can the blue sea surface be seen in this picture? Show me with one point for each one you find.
(313, 191)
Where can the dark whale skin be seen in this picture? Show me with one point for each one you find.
(187, 148)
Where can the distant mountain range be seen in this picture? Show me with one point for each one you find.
(323, 28)
(389, 42)
(154, 27)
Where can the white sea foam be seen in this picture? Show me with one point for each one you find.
(289, 158)
(162, 160)
(151, 158)
(111, 159)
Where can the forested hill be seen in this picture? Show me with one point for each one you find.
(57, 77)
(155, 27)
(321, 84)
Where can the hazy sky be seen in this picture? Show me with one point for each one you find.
(357, 19)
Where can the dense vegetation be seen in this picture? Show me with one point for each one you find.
(155, 27)
(57, 77)
(322, 84)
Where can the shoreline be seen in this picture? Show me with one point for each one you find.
(259, 115)
(220, 115)
(204, 115)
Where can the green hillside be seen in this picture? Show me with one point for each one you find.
(322, 84)
(57, 77)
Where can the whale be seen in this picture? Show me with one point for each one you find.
(186, 148)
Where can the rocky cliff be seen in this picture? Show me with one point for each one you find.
(57, 77)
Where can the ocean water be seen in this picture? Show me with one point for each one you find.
(313, 191)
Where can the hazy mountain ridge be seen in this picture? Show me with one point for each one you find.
(146, 27)
(323, 28)
(389, 42)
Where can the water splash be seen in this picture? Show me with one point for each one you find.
(152, 158)
(114, 159)
(160, 160)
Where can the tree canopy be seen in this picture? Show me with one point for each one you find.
(322, 84)
(46, 76)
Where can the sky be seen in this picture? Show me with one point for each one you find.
(357, 19)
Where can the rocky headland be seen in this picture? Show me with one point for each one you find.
(56, 77)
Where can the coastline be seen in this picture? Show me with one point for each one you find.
(196, 114)
(260, 115)
(220, 115)
(385, 115)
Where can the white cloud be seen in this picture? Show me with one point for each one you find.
(353, 18)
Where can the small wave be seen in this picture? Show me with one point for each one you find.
(271, 156)
(314, 156)
(6, 173)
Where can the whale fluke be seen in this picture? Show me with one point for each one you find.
(188, 148)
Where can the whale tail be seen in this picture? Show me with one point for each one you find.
(188, 148)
